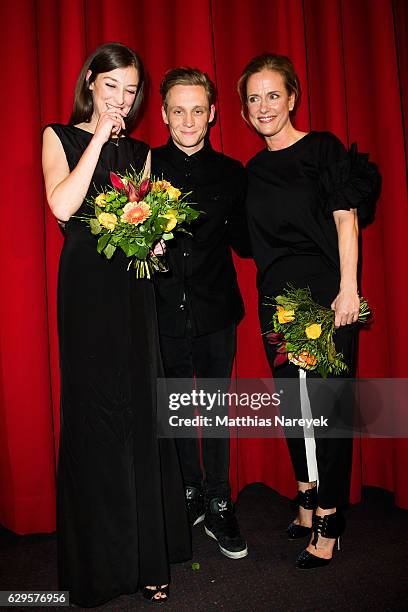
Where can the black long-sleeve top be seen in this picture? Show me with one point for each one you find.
(201, 284)
(293, 192)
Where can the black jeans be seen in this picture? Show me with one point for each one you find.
(209, 356)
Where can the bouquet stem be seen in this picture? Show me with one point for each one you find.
(145, 268)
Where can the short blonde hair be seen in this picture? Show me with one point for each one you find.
(187, 76)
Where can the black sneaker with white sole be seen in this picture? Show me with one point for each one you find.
(195, 505)
(221, 524)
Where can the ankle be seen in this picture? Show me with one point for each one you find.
(328, 526)
(304, 517)
(307, 500)
(306, 486)
(325, 511)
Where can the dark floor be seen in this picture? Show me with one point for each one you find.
(369, 573)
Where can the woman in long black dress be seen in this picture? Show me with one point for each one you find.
(304, 192)
(120, 504)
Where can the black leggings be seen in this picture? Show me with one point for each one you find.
(326, 459)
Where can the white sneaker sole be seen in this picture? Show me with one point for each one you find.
(231, 555)
(199, 520)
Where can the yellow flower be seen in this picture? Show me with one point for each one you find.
(108, 220)
(313, 331)
(160, 186)
(285, 316)
(173, 193)
(171, 215)
(100, 200)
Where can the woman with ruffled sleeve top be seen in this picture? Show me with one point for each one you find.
(306, 198)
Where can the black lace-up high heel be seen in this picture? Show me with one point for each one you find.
(328, 526)
(308, 500)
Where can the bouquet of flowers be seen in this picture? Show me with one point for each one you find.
(134, 214)
(303, 332)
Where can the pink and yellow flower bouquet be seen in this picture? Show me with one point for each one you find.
(134, 214)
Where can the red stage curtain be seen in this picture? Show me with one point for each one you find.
(351, 56)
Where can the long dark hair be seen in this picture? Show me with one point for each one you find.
(105, 58)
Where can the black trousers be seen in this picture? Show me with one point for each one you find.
(327, 459)
(209, 356)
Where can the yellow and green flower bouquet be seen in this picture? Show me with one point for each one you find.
(134, 214)
(303, 332)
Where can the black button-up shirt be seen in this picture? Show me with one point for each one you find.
(200, 290)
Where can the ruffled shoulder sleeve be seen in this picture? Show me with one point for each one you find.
(348, 180)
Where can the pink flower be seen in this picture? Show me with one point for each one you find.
(116, 181)
(144, 188)
(278, 340)
(135, 213)
(280, 358)
(132, 193)
(274, 337)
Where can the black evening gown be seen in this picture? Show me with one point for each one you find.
(292, 194)
(121, 514)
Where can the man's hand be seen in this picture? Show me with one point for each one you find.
(159, 249)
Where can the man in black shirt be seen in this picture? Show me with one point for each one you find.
(198, 301)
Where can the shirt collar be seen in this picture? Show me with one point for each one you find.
(195, 157)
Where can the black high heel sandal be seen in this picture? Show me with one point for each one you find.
(308, 500)
(328, 526)
(149, 594)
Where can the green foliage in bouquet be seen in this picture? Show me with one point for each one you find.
(134, 214)
(303, 332)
